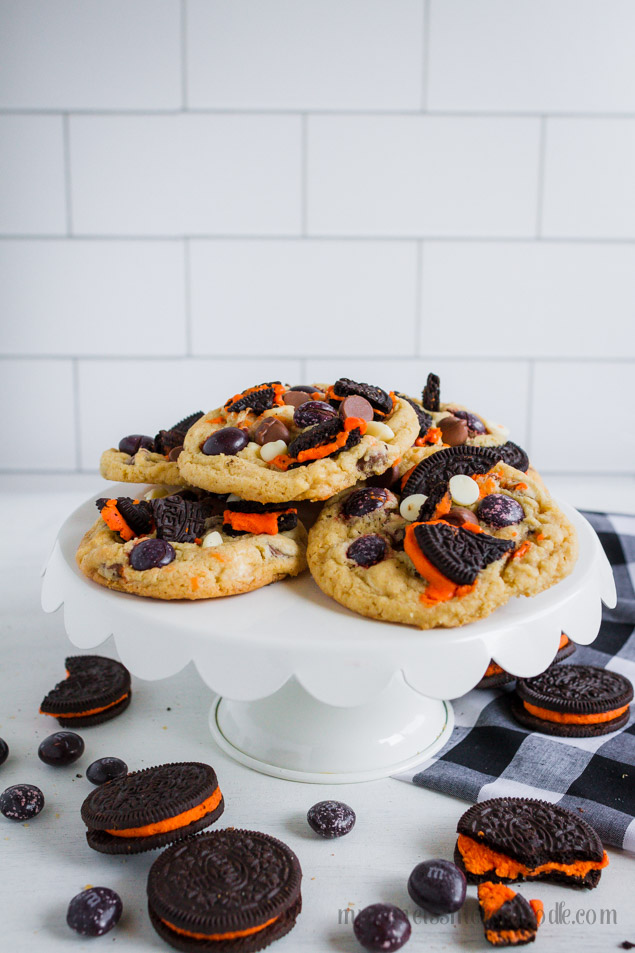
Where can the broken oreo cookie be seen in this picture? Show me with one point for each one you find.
(425, 420)
(377, 398)
(179, 520)
(257, 399)
(459, 554)
(95, 690)
(513, 455)
(431, 395)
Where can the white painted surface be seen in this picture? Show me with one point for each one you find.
(32, 193)
(398, 825)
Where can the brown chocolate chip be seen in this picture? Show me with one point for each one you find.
(269, 430)
(355, 406)
(460, 515)
(454, 431)
(296, 397)
(175, 453)
(386, 479)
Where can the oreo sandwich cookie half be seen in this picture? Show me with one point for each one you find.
(225, 890)
(508, 919)
(152, 808)
(578, 701)
(495, 676)
(95, 690)
(516, 838)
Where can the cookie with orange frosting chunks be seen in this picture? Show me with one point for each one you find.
(225, 890)
(95, 690)
(576, 701)
(140, 458)
(509, 839)
(272, 443)
(508, 919)
(151, 808)
(191, 545)
(495, 675)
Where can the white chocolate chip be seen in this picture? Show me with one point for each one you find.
(212, 539)
(254, 447)
(232, 498)
(158, 492)
(500, 430)
(410, 506)
(463, 489)
(376, 429)
(270, 450)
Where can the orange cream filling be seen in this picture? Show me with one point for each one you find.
(232, 935)
(115, 521)
(564, 640)
(508, 937)
(83, 714)
(479, 859)
(255, 523)
(565, 718)
(172, 823)
(432, 436)
(493, 669)
(440, 588)
(492, 896)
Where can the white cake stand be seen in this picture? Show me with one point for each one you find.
(308, 690)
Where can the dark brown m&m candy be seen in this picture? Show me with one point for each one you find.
(61, 748)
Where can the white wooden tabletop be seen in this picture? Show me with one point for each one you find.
(47, 861)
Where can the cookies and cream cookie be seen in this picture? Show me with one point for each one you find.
(272, 443)
(459, 536)
(191, 545)
(142, 459)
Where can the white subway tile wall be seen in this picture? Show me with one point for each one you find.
(196, 195)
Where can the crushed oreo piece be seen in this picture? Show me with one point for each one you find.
(179, 520)
(138, 516)
(425, 420)
(184, 425)
(317, 436)
(377, 397)
(167, 440)
(513, 455)
(459, 554)
(431, 396)
(259, 398)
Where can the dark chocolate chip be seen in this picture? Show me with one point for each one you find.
(368, 550)
(228, 441)
(151, 553)
(499, 510)
(377, 397)
(304, 388)
(430, 398)
(175, 453)
(313, 412)
(454, 431)
(134, 442)
(362, 502)
(270, 429)
(386, 479)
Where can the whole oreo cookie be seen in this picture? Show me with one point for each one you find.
(152, 808)
(431, 396)
(95, 690)
(225, 890)
(574, 700)
(425, 420)
(513, 455)
(517, 838)
(377, 397)
(458, 553)
(258, 399)
(432, 475)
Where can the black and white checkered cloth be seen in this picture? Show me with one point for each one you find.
(491, 755)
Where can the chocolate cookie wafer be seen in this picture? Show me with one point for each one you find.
(577, 701)
(95, 690)
(495, 675)
(515, 838)
(225, 890)
(152, 808)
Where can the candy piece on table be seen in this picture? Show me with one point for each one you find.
(106, 769)
(61, 748)
(21, 802)
(228, 441)
(438, 886)
(382, 927)
(463, 489)
(411, 505)
(331, 818)
(4, 751)
(94, 911)
(499, 510)
(454, 431)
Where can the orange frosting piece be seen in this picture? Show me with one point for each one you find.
(172, 823)
(232, 935)
(440, 588)
(479, 859)
(432, 435)
(255, 522)
(566, 718)
(564, 640)
(522, 549)
(492, 896)
(493, 669)
(115, 521)
(83, 714)
(539, 909)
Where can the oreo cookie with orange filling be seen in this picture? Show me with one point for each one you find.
(508, 919)
(495, 675)
(225, 890)
(95, 690)
(577, 701)
(247, 516)
(515, 838)
(152, 808)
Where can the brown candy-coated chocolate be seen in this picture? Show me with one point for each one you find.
(386, 479)
(269, 430)
(175, 453)
(355, 406)
(454, 431)
(296, 397)
(459, 515)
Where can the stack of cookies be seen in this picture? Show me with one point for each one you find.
(432, 517)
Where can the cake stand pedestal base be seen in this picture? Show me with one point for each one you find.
(292, 735)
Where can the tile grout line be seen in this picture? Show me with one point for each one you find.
(386, 358)
(425, 55)
(529, 239)
(418, 299)
(76, 415)
(187, 291)
(66, 136)
(530, 407)
(304, 175)
(542, 158)
(255, 111)
(183, 45)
